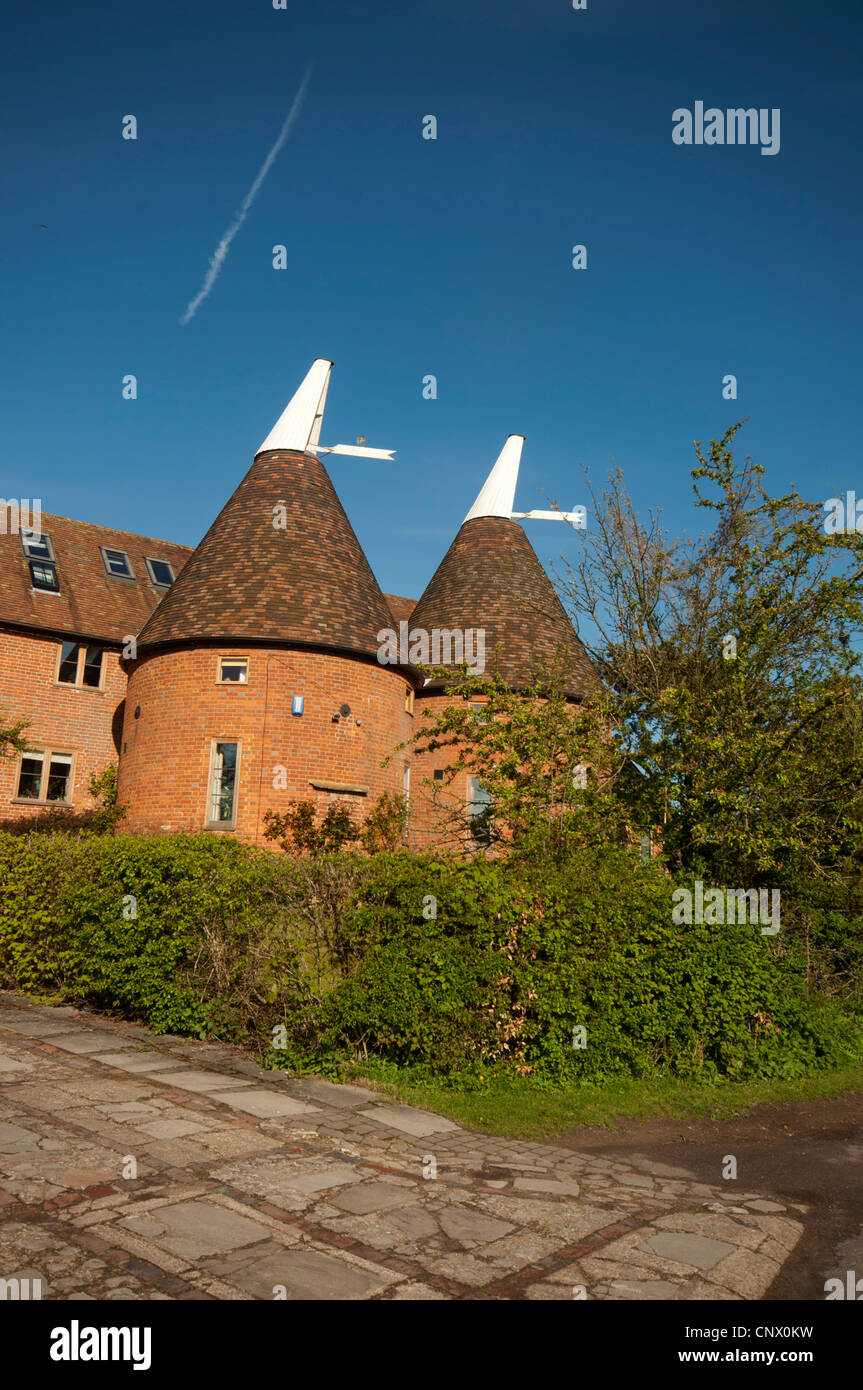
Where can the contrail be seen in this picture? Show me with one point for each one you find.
(218, 258)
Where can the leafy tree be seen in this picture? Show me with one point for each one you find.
(730, 673)
(12, 738)
(103, 788)
(545, 763)
(299, 831)
(386, 824)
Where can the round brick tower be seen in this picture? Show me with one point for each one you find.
(489, 581)
(257, 680)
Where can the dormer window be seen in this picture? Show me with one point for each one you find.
(44, 576)
(37, 547)
(117, 563)
(160, 571)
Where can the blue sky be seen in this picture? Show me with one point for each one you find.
(408, 257)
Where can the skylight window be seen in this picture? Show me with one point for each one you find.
(117, 563)
(160, 571)
(44, 576)
(37, 547)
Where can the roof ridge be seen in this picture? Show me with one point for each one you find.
(115, 530)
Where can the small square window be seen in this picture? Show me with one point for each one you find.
(233, 670)
(117, 563)
(160, 571)
(37, 547)
(44, 576)
(438, 774)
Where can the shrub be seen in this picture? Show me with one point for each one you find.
(446, 966)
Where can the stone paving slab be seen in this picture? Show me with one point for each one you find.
(255, 1185)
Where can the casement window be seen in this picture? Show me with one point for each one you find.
(160, 571)
(45, 777)
(37, 547)
(80, 664)
(479, 811)
(43, 575)
(233, 670)
(116, 563)
(224, 785)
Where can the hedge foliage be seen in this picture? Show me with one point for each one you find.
(448, 967)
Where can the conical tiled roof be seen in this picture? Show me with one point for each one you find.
(281, 561)
(309, 582)
(491, 579)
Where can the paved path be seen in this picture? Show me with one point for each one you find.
(142, 1167)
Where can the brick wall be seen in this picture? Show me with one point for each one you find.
(435, 804)
(166, 752)
(63, 718)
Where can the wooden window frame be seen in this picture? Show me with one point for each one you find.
(237, 660)
(46, 754)
(78, 683)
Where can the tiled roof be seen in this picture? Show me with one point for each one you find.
(308, 582)
(401, 608)
(90, 603)
(491, 578)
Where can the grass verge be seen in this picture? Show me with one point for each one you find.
(523, 1109)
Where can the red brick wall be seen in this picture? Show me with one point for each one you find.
(433, 806)
(165, 763)
(63, 718)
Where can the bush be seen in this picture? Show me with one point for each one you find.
(449, 967)
(513, 963)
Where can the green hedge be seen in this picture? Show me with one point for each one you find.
(351, 956)
(513, 964)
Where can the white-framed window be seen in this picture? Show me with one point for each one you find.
(233, 670)
(116, 563)
(161, 572)
(80, 664)
(224, 785)
(45, 777)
